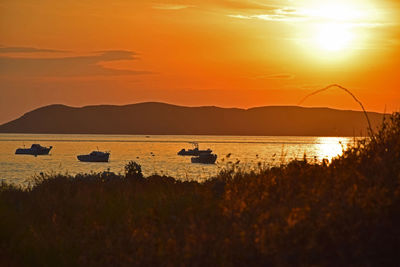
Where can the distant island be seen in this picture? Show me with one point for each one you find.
(153, 118)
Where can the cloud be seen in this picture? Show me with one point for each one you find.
(272, 17)
(367, 16)
(287, 11)
(21, 49)
(275, 14)
(67, 66)
(171, 6)
(224, 4)
(112, 55)
(240, 16)
(245, 5)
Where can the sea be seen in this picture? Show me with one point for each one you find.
(157, 154)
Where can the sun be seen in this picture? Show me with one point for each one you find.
(333, 37)
(333, 26)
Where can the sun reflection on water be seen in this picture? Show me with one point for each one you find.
(330, 147)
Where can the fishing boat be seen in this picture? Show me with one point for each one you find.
(95, 156)
(195, 151)
(205, 158)
(35, 150)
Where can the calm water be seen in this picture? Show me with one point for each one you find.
(156, 154)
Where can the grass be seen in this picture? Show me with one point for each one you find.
(339, 213)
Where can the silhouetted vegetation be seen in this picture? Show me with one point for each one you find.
(339, 213)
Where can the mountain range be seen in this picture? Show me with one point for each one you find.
(165, 119)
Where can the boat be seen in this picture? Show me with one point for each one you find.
(205, 158)
(35, 150)
(195, 151)
(95, 156)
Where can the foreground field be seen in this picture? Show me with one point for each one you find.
(346, 212)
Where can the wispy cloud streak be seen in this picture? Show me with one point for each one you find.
(171, 6)
(67, 66)
(21, 49)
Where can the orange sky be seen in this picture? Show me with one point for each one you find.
(198, 52)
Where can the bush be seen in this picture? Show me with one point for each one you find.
(133, 171)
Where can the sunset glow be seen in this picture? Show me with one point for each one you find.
(225, 53)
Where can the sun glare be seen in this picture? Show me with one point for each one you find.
(333, 36)
(333, 25)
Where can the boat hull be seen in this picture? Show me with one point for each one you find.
(205, 159)
(193, 152)
(29, 151)
(88, 158)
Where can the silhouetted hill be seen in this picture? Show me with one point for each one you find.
(161, 118)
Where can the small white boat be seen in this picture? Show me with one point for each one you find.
(95, 156)
(35, 150)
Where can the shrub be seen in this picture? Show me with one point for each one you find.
(133, 171)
